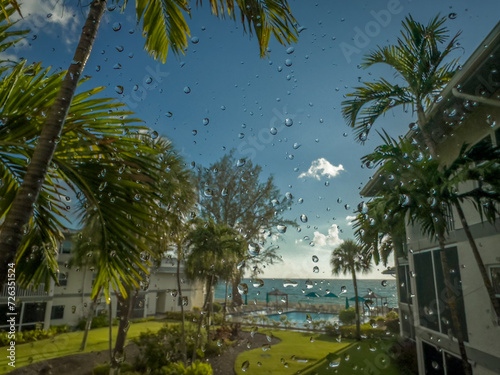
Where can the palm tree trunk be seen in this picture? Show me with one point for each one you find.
(21, 210)
(88, 324)
(237, 300)
(225, 306)
(451, 300)
(110, 331)
(426, 135)
(127, 305)
(179, 289)
(210, 307)
(479, 260)
(200, 321)
(358, 324)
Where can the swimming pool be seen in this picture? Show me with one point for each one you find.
(301, 317)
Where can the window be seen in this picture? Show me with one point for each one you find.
(440, 362)
(495, 279)
(65, 247)
(404, 283)
(57, 312)
(434, 312)
(62, 278)
(34, 312)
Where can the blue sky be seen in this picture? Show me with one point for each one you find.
(221, 78)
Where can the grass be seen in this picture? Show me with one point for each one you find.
(294, 353)
(366, 357)
(69, 343)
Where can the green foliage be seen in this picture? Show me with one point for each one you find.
(217, 307)
(32, 335)
(392, 315)
(197, 368)
(347, 316)
(404, 354)
(99, 321)
(349, 332)
(392, 325)
(161, 348)
(188, 316)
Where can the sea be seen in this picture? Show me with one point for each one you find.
(298, 289)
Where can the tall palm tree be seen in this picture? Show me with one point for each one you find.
(349, 257)
(419, 63)
(427, 191)
(212, 248)
(164, 27)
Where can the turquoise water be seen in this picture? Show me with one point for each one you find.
(301, 318)
(297, 290)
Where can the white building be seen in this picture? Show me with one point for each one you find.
(469, 112)
(69, 302)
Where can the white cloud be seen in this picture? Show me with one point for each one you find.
(328, 241)
(322, 167)
(350, 219)
(43, 16)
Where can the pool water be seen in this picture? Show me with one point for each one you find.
(300, 317)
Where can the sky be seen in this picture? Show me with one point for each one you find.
(283, 112)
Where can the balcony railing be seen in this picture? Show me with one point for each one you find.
(31, 292)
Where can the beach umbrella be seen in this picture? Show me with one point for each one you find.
(312, 294)
(331, 295)
(346, 303)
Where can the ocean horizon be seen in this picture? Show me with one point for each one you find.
(297, 289)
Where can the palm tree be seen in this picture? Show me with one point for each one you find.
(349, 257)
(427, 190)
(164, 27)
(213, 248)
(476, 166)
(419, 62)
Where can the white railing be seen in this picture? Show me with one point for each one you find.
(31, 292)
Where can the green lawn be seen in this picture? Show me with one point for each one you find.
(366, 357)
(294, 353)
(68, 343)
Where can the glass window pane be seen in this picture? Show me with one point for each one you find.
(428, 314)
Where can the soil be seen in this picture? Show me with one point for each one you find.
(83, 364)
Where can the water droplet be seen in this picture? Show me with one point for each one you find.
(316, 269)
(290, 50)
(206, 121)
(187, 90)
(241, 135)
(384, 283)
(288, 122)
(343, 290)
(240, 162)
(258, 283)
(300, 200)
(287, 283)
(288, 62)
(315, 259)
(117, 26)
(296, 145)
(119, 89)
(281, 228)
(253, 249)
(194, 132)
(117, 66)
(303, 218)
(452, 16)
(195, 40)
(244, 366)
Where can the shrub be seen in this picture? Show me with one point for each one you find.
(347, 316)
(159, 349)
(99, 321)
(392, 315)
(404, 354)
(197, 368)
(366, 330)
(392, 325)
(217, 307)
(188, 316)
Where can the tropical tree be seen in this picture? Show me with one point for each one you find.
(349, 257)
(164, 27)
(212, 250)
(421, 61)
(426, 191)
(231, 193)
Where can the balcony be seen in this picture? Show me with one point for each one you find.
(31, 292)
